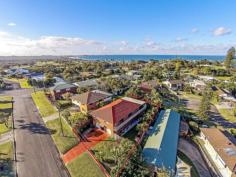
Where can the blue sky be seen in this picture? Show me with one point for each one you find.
(69, 27)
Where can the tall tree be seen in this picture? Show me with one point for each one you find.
(229, 57)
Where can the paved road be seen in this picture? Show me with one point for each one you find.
(214, 115)
(195, 156)
(36, 153)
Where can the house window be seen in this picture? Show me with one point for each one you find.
(68, 89)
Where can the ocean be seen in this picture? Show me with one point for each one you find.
(148, 57)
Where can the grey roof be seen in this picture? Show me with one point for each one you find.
(63, 86)
(87, 83)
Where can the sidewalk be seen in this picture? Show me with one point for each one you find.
(93, 138)
(51, 117)
(6, 137)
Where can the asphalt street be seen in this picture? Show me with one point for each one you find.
(36, 153)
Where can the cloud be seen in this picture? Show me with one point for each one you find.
(195, 30)
(180, 39)
(124, 43)
(220, 31)
(11, 24)
(11, 44)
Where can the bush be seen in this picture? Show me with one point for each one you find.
(233, 131)
(194, 126)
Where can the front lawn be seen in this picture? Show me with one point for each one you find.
(6, 109)
(43, 104)
(227, 114)
(6, 157)
(63, 143)
(24, 84)
(4, 128)
(84, 166)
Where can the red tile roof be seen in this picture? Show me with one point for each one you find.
(117, 110)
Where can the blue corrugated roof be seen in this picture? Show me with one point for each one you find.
(161, 147)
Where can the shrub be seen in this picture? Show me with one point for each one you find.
(233, 131)
(193, 126)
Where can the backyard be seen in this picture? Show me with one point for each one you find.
(6, 157)
(63, 143)
(84, 166)
(43, 104)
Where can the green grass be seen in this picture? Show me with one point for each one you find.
(6, 157)
(24, 84)
(6, 107)
(191, 96)
(188, 161)
(63, 143)
(227, 114)
(4, 129)
(223, 78)
(43, 104)
(84, 166)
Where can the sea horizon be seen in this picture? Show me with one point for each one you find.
(147, 57)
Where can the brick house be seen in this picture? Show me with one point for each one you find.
(221, 150)
(118, 117)
(90, 100)
(60, 89)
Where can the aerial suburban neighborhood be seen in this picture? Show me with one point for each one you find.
(117, 88)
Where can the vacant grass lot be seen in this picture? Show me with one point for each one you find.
(6, 107)
(84, 166)
(6, 157)
(43, 104)
(63, 143)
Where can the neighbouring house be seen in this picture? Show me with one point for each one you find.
(199, 85)
(90, 83)
(118, 117)
(174, 84)
(90, 100)
(160, 150)
(15, 71)
(206, 78)
(133, 72)
(60, 89)
(149, 86)
(221, 150)
(225, 96)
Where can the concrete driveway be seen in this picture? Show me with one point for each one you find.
(36, 153)
(192, 152)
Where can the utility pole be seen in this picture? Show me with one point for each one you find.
(58, 105)
(13, 134)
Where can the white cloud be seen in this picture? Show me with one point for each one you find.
(11, 44)
(222, 31)
(195, 30)
(124, 43)
(11, 24)
(180, 39)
